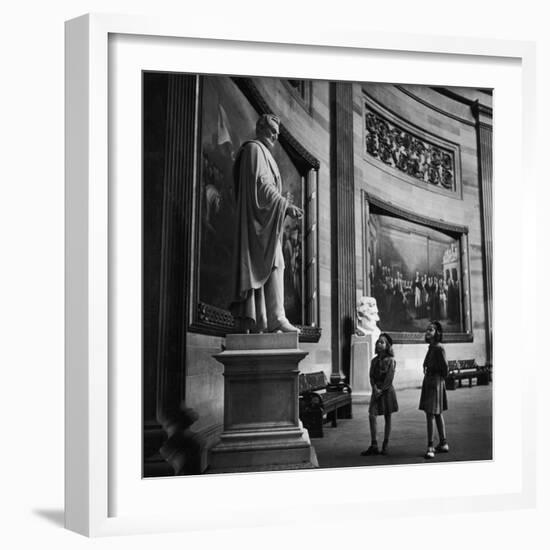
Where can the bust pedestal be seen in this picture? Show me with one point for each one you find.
(262, 430)
(362, 352)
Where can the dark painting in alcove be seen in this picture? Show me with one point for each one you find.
(228, 120)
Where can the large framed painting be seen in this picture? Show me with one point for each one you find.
(417, 269)
(229, 108)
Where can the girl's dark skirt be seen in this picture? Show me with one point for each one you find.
(433, 398)
(385, 404)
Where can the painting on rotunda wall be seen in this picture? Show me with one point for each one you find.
(227, 121)
(414, 274)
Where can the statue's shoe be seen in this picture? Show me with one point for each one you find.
(285, 326)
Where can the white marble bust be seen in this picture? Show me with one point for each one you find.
(367, 314)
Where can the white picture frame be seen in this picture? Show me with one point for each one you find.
(102, 54)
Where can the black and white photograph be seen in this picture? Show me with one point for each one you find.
(317, 274)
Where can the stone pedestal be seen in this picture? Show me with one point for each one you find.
(362, 352)
(262, 430)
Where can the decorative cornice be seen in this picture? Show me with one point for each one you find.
(411, 216)
(434, 107)
(480, 109)
(486, 91)
(476, 107)
(297, 151)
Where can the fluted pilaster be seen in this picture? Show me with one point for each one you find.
(175, 241)
(342, 226)
(484, 126)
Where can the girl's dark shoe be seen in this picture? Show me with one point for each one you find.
(372, 450)
(442, 448)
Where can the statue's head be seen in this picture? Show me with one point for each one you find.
(367, 311)
(267, 130)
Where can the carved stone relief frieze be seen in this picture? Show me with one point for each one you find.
(411, 154)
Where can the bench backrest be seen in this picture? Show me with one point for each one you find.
(312, 381)
(462, 364)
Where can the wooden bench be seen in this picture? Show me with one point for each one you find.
(321, 401)
(466, 369)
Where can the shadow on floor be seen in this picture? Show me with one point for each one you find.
(57, 517)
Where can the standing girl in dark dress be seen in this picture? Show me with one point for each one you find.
(383, 400)
(433, 398)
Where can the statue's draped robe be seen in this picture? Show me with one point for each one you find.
(260, 215)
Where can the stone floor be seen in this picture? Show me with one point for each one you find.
(468, 421)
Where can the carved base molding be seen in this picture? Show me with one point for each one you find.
(210, 320)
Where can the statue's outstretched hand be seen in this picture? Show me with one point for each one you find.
(294, 211)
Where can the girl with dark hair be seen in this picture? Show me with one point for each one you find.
(433, 398)
(383, 400)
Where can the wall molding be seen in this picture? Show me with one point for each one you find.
(413, 216)
(434, 107)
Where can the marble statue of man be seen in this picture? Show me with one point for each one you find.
(258, 301)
